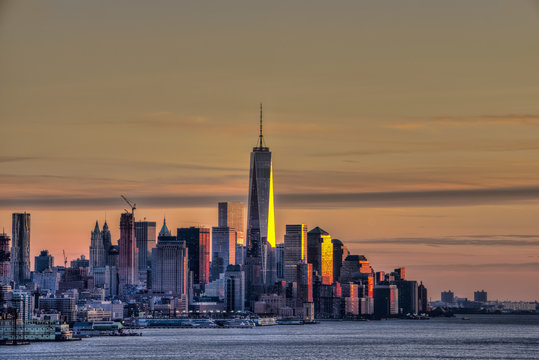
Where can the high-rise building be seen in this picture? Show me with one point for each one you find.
(339, 254)
(260, 259)
(304, 279)
(320, 254)
(20, 248)
(197, 241)
(169, 264)
(422, 300)
(480, 296)
(279, 260)
(128, 250)
(448, 297)
(223, 249)
(107, 240)
(231, 215)
(295, 250)
(145, 235)
(234, 288)
(44, 261)
(408, 296)
(98, 255)
(5, 256)
(386, 300)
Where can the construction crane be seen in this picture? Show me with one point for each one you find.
(132, 205)
(65, 259)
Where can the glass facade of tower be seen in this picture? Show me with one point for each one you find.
(20, 248)
(260, 259)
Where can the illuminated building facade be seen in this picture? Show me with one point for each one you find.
(197, 241)
(320, 254)
(20, 248)
(260, 259)
(128, 250)
(295, 249)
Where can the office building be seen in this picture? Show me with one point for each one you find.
(106, 237)
(49, 279)
(197, 241)
(386, 301)
(20, 248)
(295, 250)
(448, 297)
(422, 300)
(98, 255)
(81, 262)
(5, 258)
(234, 288)
(320, 254)
(408, 296)
(279, 261)
(128, 251)
(231, 215)
(339, 254)
(480, 296)
(304, 279)
(169, 264)
(66, 306)
(44, 261)
(145, 236)
(260, 260)
(223, 249)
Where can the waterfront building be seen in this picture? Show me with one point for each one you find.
(169, 264)
(260, 258)
(386, 300)
(23, 302)
(197, 241)
(422, 300)
(20, 248)
(145, 236)
(480, 296)
(223, 249)
(320, 253)
(234, 288)
(128, 251)
(44, 261)
(408, 296)
(98, 255)
(295, 249)
(66, 306)
(304, 279)
(448, 297)
(5, 256)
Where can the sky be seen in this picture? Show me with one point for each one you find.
(407, 129)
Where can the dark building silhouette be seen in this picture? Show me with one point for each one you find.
(128, 270)
(44, 261)
(5, 257)
(338, 258)
(20, 248)
(197, 241)
(145, 236)
(422, 300)
(448, 297)
(480, 296)
(408, 296)
(386, 301)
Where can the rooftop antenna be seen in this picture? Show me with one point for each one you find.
(261, 137)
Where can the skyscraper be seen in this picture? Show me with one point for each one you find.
(231, 214)
(223, 249)
(197, 241)
(260, 259)
(4, 257)
(98, 254)
(422, 301)
(234, 288)
(128, 250)
(107, 240)
(169, 264)
(20, 248)
(295, 250)
(145, 239)
(44, 261)
(320, 254)
(339, 254)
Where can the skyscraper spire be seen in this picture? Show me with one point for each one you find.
(261, 144)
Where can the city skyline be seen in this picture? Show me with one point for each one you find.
(427, 165)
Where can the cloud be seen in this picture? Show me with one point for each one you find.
(482, 120)
(437, 198)
(470, 240)
(500, 267)
(6, 159)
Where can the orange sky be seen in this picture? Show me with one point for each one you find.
(406, 129)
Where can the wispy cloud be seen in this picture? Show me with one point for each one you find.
(470, 240)
(437, 198)
(483, 120)
(505, 267)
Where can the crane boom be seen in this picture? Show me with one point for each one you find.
(132, 205)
